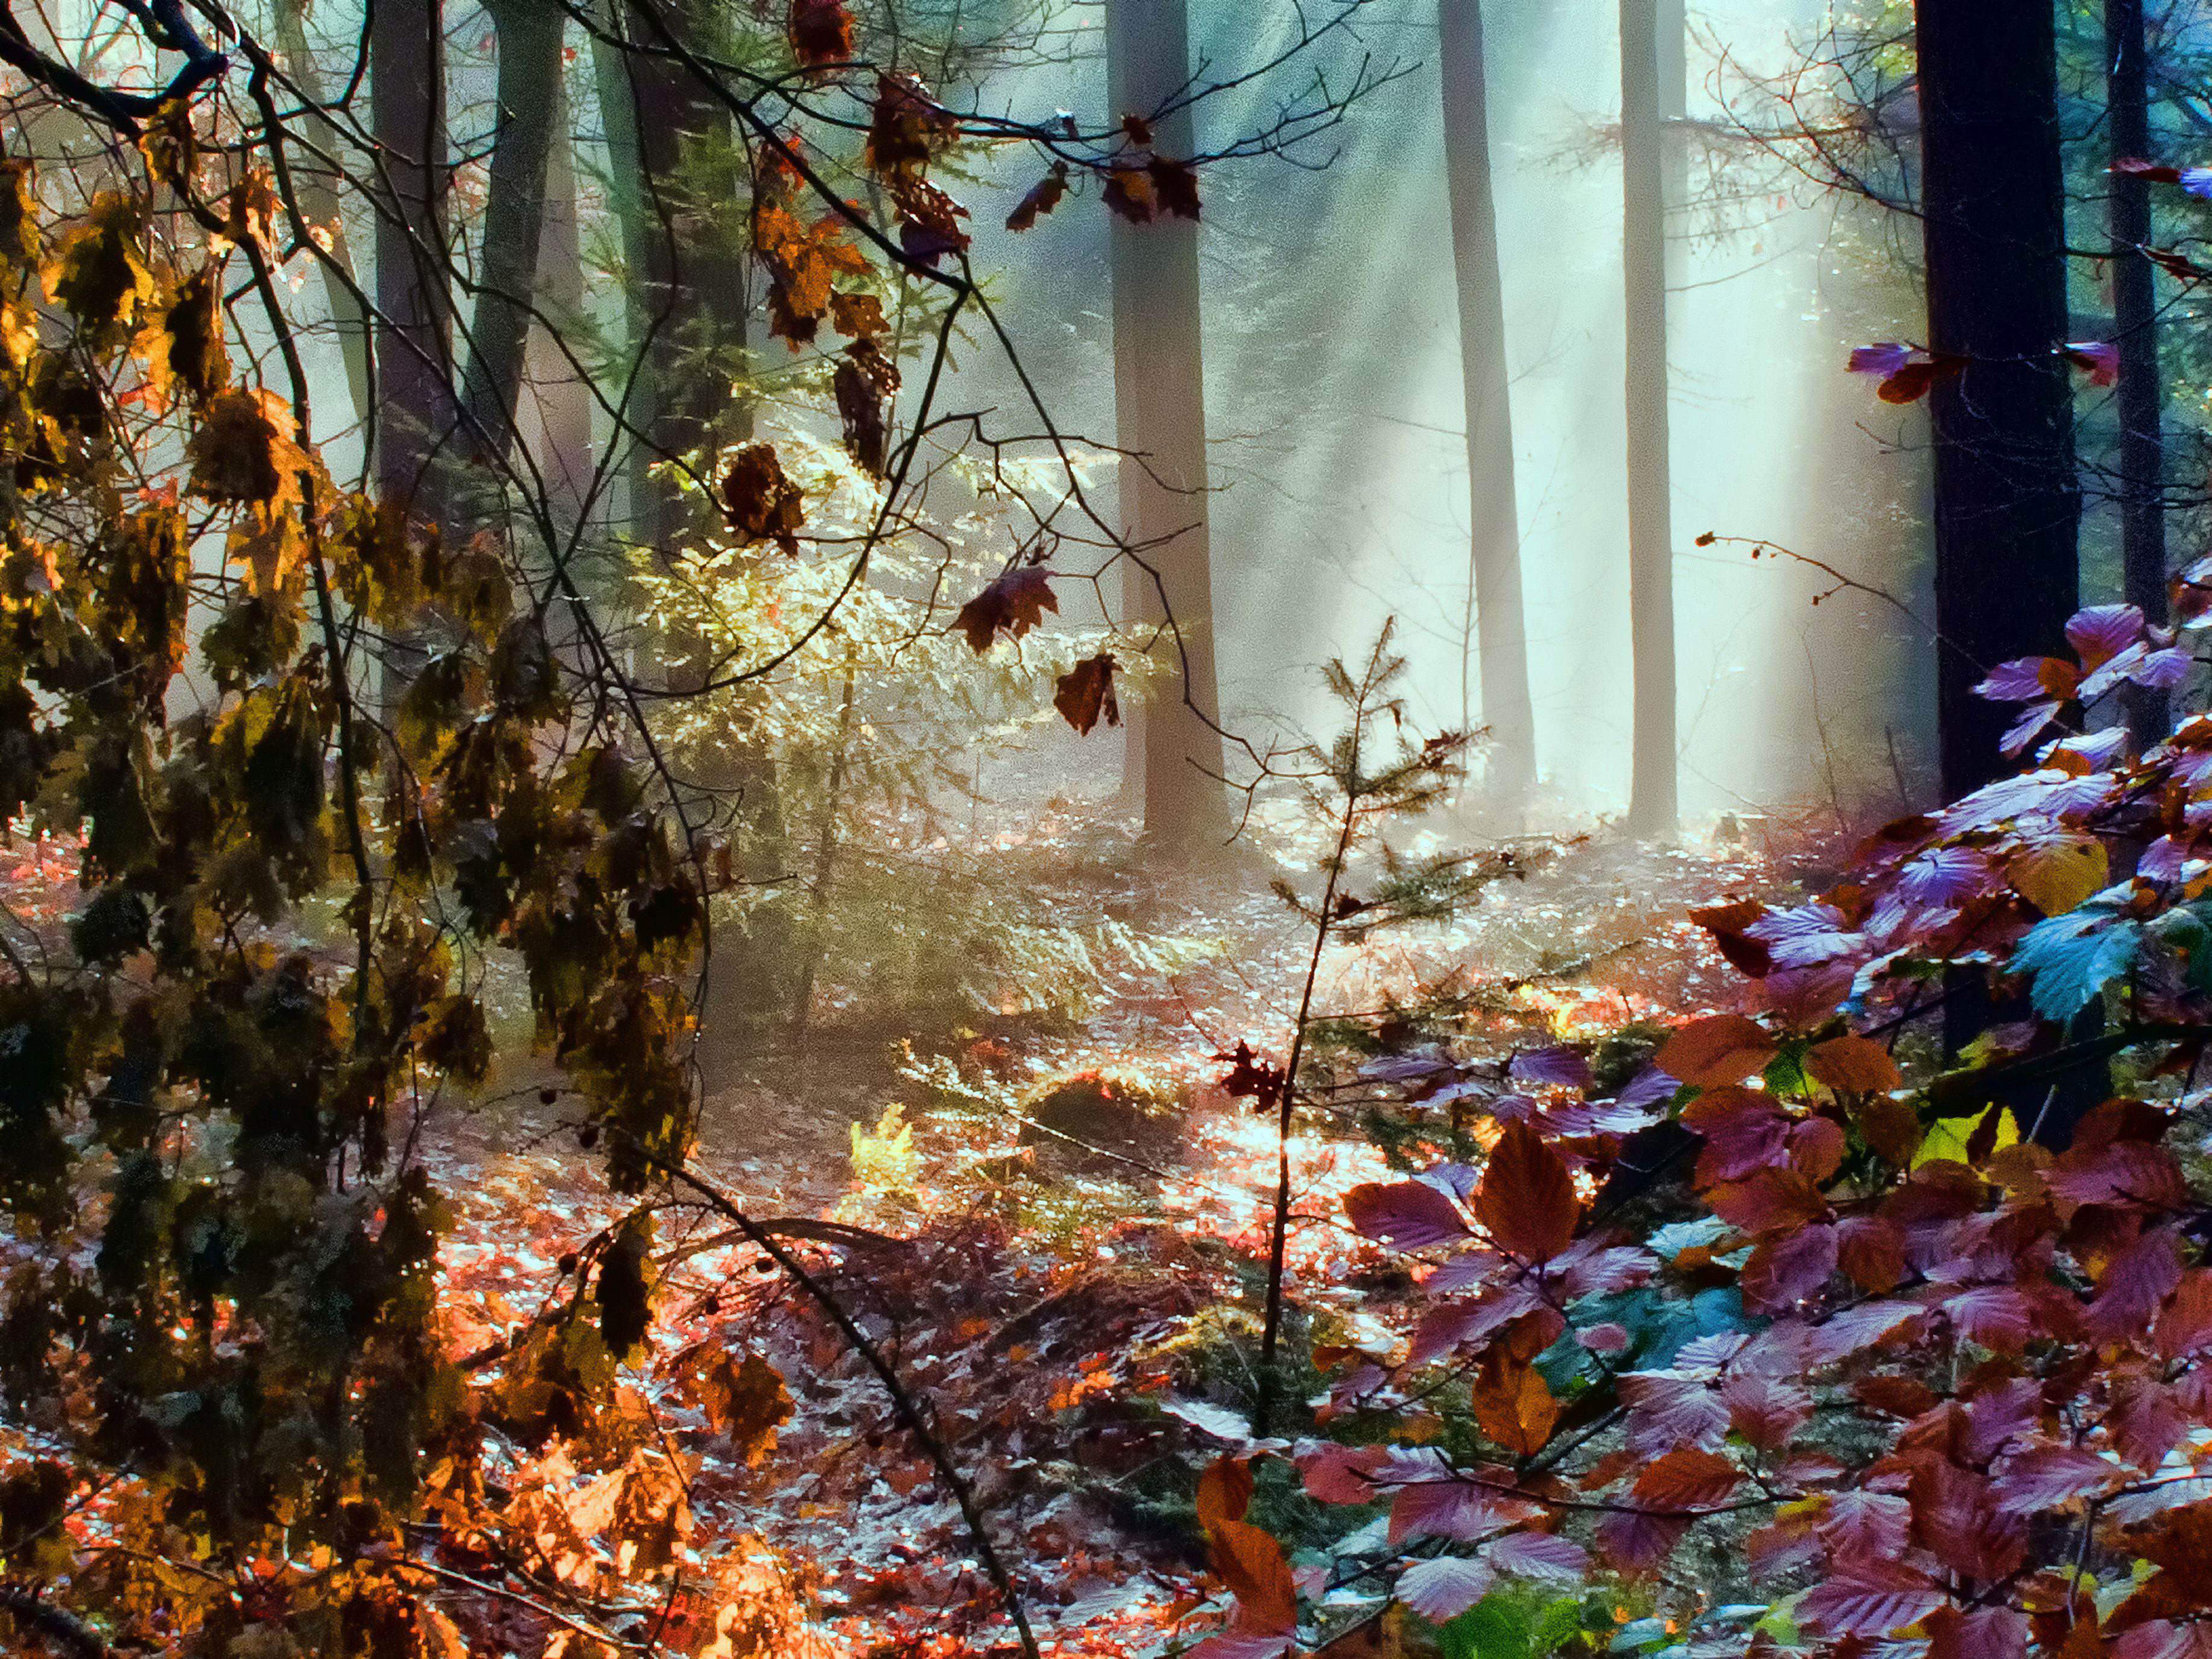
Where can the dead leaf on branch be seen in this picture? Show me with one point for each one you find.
(1043, 196)
(744, 1399)
(1085, 695)
(759, 502)
(1012, 606)
(821, 32)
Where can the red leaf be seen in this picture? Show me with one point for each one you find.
(1744, 1130)
(2186, 1325)
(2145, 1422)
(2151, 172)
(1870, 1599)
(2049, 1477)
(1865, 1526)
(1717, 1049)
(1453, 1509)
(1527, 1200)
(1769, 1200)
(2135, 1282)
(1871, 1250)
(1408, 1214)
(1637, 1544)
(1911, 384)
(1665, 1411)
(1686, 1479)
(1175, 186)
(1981, 1633)
(1336, 1474)
(1766, 1410)
(1012, 606)
(2132, 1173)
(1085, 693)
(1995, 1316)
(1788, 1269)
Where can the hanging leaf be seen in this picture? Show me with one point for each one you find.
(1527, 1199)
(1011, 605)
(759, 502)
(1085, 694)
(1043, 196)
(1853, 1065)
(821, 32)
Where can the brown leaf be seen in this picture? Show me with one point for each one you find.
(759, 503)
(1892, 1128)
(1910, 383)
(1012, 606)
(1085, 694)
(1513, 1405)
(1043, 196)
(1853, 1065)
(821, 32)
(858, 315)
(1175, 187)
(1720, 1048)
(743, 1400)
(1527, 1199)
(1130, 192)
(1688, 1478)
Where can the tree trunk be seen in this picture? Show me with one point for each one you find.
(1500, 638)
(563, 395)
(1652, 802)
(413, 329)
(528, 98)
(2007, 506)
(687, 270)
(1159, 406)
(318, 187)
(2134, 329)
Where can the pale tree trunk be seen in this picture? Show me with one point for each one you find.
(1652, 803)
(2134, 329)
(1499, 639)
(562, 395)
(1159, 402)
(317, 185)
(2006, 506)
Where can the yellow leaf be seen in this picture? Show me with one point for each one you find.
(2058, 875)
(1948, 1138)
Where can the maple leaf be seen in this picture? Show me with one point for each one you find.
(1175, 186)
(1085, 695)
(1042, 198)
(1011, 605)
(1130, 192)
(242, 450)
(1527, 1200)
(759, 502)
(821, 32)
(906, 127)
(743, 1400)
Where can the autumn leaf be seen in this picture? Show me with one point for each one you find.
(1408, 1214)
(98, 274)
(1513, 1405)
(1853, 1065)
(1224, 1490)
(743, 1398)
(1251, 1564)
(857, 316)
(242, 450)
(18, 214)
(1720, 1048)
(1131, 193)
(1527, 1199)
(759, 502)
(821, 32)
(1175, 187)
(1011, 605)
(1042, 198)
(1085, 694)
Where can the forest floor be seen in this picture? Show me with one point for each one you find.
(1070, 1281)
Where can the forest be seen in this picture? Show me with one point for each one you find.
(1108, 828)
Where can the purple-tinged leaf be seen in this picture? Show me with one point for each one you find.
(1883, 359)
(2020, 680)
(1558, 1067)
(2049, 1477)
(1648, 1087)
(1409, 1215)
(1942, 875)
(1872, 1599)
(2034, 721)
(1442, 1590)
(2100, 358)
(1865, 1526)
(1539, 1555)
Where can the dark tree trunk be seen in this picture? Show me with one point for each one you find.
(528, 101)
(1652, 802)
(2134, 329)
(1500, 638)
(1159, 403)
(680, 204)
(414, 328)
(2007, 506)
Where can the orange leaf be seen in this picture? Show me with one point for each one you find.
(1718, 1050)
(1527, 1199)
(1513, 1405)
(1251, 1564)
(1224, 1492)
(1688, 1478)
(1853, 1065)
